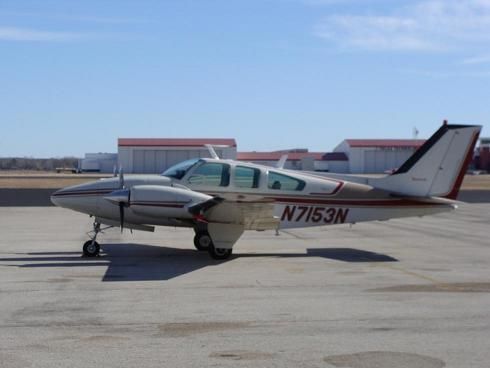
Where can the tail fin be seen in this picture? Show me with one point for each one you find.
(438, 167)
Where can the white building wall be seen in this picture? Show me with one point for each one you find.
(289, 165)
(155, 160)
(356, 160)
(321, 166)
(125, 159)
(372, 160)
(100, 162)
(340, 167)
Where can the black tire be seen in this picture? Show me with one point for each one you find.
(202, 240)
(91, 248)
(219, 253)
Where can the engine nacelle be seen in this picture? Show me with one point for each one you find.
(163, 201)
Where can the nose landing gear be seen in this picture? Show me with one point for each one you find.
(91, 248)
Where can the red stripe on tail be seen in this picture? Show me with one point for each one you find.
(453, 194)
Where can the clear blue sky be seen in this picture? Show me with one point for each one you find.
(75, 76)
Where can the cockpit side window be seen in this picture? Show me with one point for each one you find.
(178, 171)
(211, 174)
(246, 177)
(283, 182)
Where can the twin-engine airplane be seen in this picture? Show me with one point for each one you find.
(220, 199)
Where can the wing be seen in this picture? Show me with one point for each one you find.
(256, 215)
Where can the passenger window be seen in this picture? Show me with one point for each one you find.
(284, 182)
(211, 174)
(246, 177)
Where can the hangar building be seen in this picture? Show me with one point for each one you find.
(98, 162)
(369, 156)
(300, 160)
(483, 154)
(153, 155)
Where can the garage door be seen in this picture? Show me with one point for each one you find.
(174, 157)
(160, 161)
(149, 167)
(138, 161)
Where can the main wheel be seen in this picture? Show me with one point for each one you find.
(219, 253)
(91, 248)
(202, 240)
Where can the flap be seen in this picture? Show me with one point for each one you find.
(250, 215)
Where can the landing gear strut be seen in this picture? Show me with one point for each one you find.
(91, 248)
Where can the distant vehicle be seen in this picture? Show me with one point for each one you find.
(220, 199)
(72, 170)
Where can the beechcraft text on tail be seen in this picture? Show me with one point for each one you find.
(220, 199)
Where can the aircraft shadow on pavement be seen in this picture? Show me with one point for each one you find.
(350, 255)
(142, 262)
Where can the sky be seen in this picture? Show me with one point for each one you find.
(273, 74)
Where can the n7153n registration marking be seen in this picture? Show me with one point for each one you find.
(315, 214)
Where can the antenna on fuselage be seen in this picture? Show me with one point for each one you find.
(282, 161)
(211, 150)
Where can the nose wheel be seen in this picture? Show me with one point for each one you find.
(91, 248)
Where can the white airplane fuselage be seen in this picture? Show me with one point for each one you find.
(321, 202)
(221, 199)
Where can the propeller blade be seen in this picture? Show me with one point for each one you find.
(121, 178)
(121, 215)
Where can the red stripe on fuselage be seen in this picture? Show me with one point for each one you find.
(83, 192)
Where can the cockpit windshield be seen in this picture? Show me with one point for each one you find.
(179, 170)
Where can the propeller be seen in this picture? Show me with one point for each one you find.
(120, 197)
(121, 178)
(122, 204)
(121, 215)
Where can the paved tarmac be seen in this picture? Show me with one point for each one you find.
(403, 293)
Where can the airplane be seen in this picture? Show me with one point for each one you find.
(220, 199)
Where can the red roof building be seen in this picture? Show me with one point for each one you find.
(274, 156)
(385, 143)
(175, 142)
(369, 156)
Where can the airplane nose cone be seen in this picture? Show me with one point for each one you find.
(81, 197)
(56, 198)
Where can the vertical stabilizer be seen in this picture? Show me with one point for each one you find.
(438, 167)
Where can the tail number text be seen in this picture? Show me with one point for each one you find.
(315, 214)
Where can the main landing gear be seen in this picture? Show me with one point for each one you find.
(203, 242)
(219, 253)
(91, 248)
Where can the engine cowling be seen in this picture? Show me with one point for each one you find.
(163, 201)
